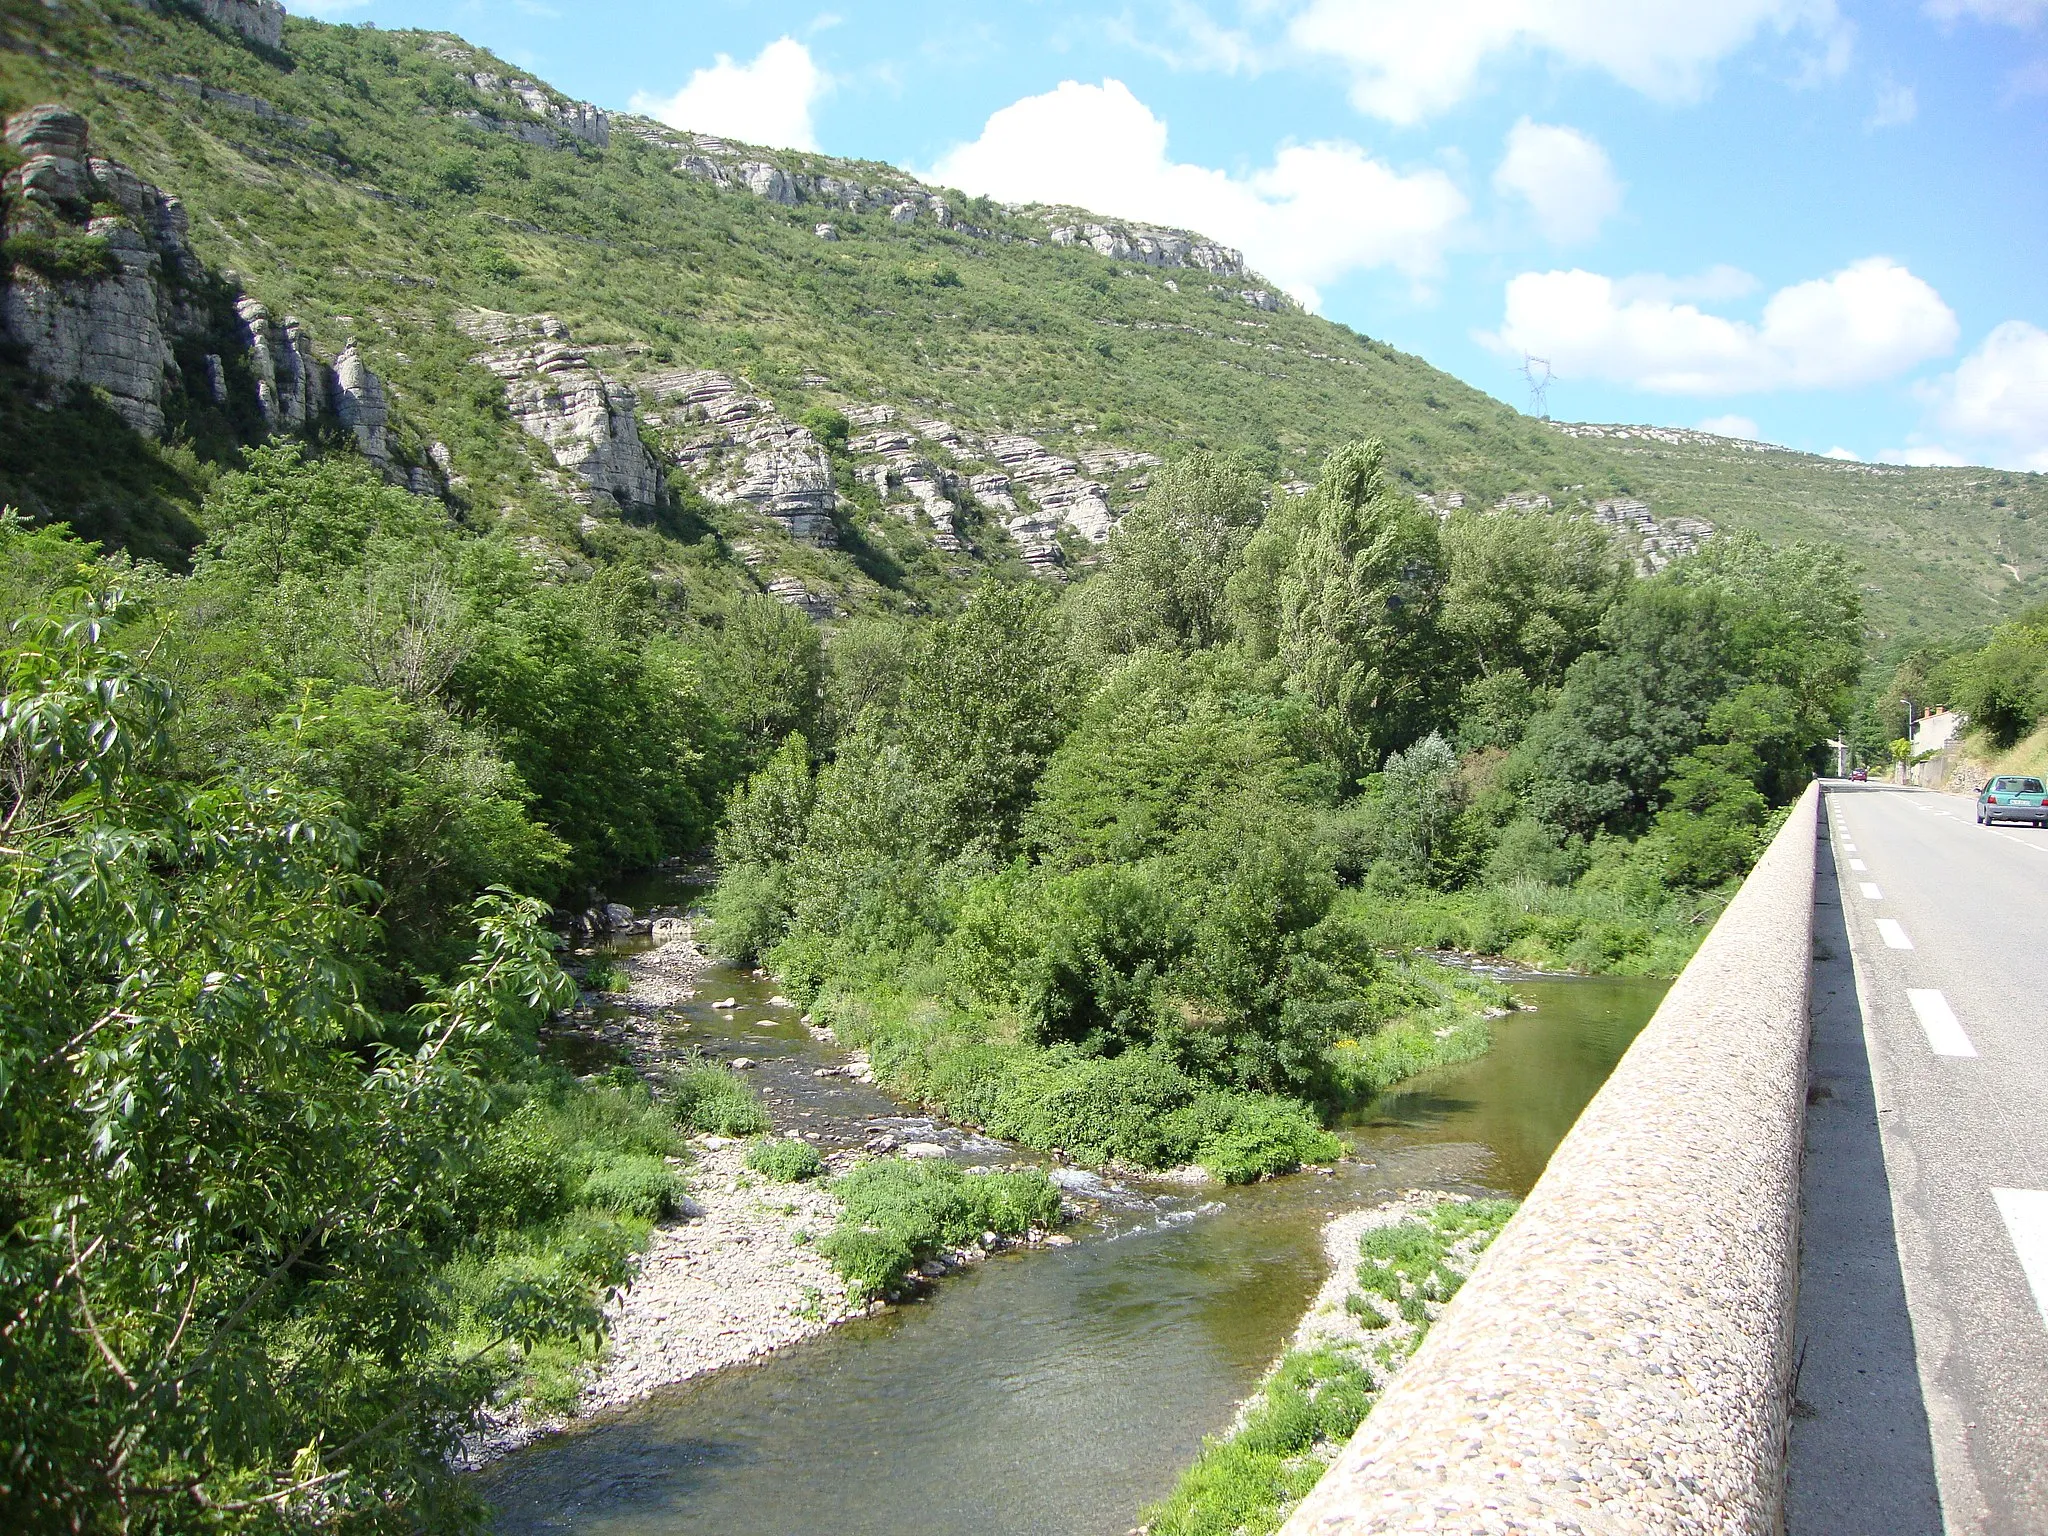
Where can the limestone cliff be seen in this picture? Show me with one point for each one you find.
(556, 395)
(741, 450)
(95, 298)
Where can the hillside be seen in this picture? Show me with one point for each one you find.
(535, 290)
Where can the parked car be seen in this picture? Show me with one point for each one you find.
(2011, 797)
(1859, 775)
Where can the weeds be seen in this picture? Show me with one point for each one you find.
(708, 1098)
(895, 1213)
(785, 1160)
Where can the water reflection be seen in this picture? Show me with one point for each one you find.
(1058, 1392)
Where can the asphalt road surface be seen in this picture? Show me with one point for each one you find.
(1923, 1307)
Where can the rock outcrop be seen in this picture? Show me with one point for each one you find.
(291, 383)
(112, 291)
(522, 107)
(357, 398)
(1033, 492)
(741, 450)
(585, 418)
(1148, 245)
(261, 21)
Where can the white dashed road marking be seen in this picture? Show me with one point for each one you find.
(1871, 892)
(1944, 1032)
(2026, 1222)
(1858, 865)
(1893, 935)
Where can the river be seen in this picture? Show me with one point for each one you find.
(1050, 1392)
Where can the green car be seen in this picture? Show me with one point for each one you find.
(2012, 798)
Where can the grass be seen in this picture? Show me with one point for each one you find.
(895, 1213)
(1245, 1482)
(372, 209)
(563, 1192)
(785, 1160)
(1140, 1110)
(708, 1098)
(1581, 927)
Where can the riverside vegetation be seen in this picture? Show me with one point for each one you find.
(1370, 1319)
(1132, 866)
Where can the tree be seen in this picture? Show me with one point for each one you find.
(1359, 586)
(1170, 561)
(1526, 590)
(987, 700)
(219, 1307)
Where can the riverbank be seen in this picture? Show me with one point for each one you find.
(746, 1265)
(1393, 1269)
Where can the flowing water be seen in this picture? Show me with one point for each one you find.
(1051, 1392)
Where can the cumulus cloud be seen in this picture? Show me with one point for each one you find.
(767, 101)
(1409, 60)
(1318, 212)
(1847, 455)
(1732, 426)
(1998, 397)
(1565, 178)
(1926, 456)
(1872, 320)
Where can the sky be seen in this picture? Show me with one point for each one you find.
(1818, 223)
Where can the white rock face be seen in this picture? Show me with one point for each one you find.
(740, 449)
(1056, 485)
(357, 398)
(909, 483)
(556, 395)
(559, 117)
(291, 383)
(1148, 245)
(110, 332)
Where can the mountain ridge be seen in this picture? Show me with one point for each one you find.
(376, 186)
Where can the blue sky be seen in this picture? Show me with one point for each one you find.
(1813, 221)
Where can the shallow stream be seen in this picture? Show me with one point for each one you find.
(1051, 1392)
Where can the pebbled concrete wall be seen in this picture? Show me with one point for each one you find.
(1619, 1361)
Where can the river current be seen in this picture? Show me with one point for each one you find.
(1052, 1392)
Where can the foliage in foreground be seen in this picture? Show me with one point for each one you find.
(265, 1249)
(1245, 1482)
(895, 1213)
(785, 1159)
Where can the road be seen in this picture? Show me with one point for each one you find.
(1944, 1110)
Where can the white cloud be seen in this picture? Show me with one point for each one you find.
(1897, 105)
(324, 8)
(1318, 212)
(1409, 59)
(1847, 455)
(1871, 320)
(1926, 456)
(768, 101)
(1997, 398)
(2014, 13)
(1564, 176)
(1732, 426)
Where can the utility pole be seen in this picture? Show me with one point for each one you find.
(1841, 756)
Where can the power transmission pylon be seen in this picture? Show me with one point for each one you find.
(1537, 371)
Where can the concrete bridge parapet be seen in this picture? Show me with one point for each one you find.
(1620, 1360)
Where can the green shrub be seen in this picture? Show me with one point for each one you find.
(895, 1212)
(633, 1184)
(605, 973)
(60, 256)
(709, 1098)
(785, 1160)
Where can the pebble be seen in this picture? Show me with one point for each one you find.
(744, 1063)
(727, 1002)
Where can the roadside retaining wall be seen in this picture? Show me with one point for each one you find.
(1619, 1361)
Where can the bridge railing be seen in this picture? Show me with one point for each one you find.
(1620, 1359)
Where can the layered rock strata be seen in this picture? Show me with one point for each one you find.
(1148, 245)
(116, 291)
(539, 116)
(740, 450)
(291, 383)
(556, 394)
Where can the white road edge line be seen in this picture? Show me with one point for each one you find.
(2026, 1222)
(1893, 935)
(1944, 1031)
(1871, 892)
